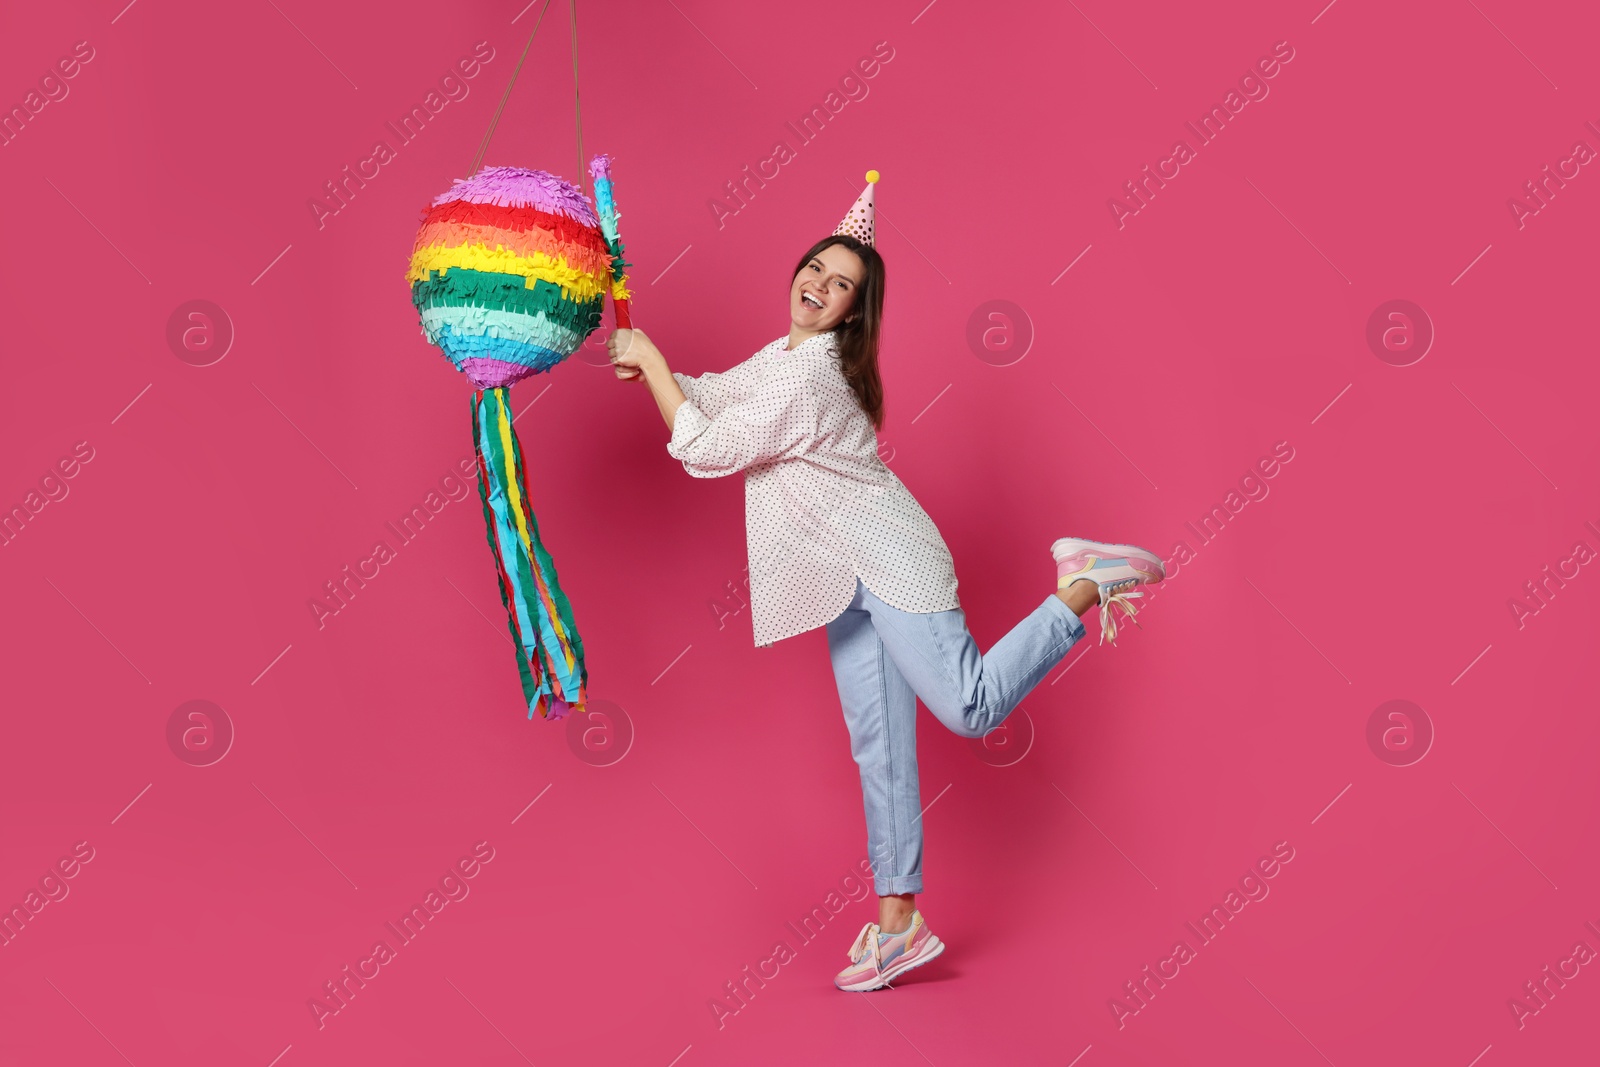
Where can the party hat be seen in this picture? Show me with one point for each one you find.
(861, 222)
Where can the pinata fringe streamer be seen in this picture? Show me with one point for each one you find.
(549, 650)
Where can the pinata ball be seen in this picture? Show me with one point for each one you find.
(509, 272)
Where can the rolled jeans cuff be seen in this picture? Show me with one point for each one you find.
(894, 885)
(1075, 624)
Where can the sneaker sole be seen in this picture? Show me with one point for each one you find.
(899, 967)
(1067, 547)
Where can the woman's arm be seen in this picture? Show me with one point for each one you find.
(710, 392)
(777, 420)
(713, 391)
(638, 359)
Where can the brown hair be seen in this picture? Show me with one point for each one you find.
(858, 339)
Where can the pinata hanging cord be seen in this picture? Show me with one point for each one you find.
(577, 104)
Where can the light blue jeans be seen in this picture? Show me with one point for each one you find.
(883, 659)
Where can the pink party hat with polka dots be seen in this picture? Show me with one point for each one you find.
(861, 222)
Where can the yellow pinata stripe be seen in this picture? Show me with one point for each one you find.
(576, 284)
(619, 290)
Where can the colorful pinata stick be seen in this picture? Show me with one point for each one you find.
(600, 171)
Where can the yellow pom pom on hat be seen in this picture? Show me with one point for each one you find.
(861, 221)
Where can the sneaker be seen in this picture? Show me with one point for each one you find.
(878, 958)
(1115, 568)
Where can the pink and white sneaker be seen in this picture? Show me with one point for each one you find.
(877, 958)
(1114, 568)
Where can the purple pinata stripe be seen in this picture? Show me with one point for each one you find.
(493, 373)
(522, 187)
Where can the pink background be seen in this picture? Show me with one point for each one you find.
(1227, 315)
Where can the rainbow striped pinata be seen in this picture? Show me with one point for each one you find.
(509, 272)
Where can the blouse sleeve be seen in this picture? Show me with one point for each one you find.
(777, 420)
(713, 392)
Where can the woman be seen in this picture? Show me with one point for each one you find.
(836, 540)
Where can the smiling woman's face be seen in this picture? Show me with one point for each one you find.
(824, 292)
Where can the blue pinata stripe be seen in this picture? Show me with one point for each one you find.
(461, 347)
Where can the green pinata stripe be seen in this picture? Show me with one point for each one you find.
(460, 287)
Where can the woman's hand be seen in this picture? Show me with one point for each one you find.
(636, 358)
(633, 354)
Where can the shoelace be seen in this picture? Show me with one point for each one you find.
(868, 938)
(1109, 595)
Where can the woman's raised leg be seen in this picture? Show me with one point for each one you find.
(969, 691)
(972, 692)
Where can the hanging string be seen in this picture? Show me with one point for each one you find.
(577, 104)
(477, 160)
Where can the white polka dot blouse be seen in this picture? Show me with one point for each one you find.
(821, 508)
